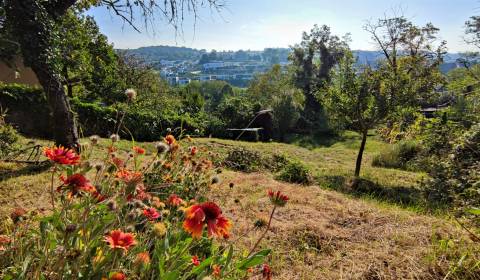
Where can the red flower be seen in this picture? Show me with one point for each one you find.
(277, 198)
(61, 155)
(138, 150)
(130, 177)
(206, 213)
(118, 162)
(195, 261)
(120, 240)
(193, 150)
(174, 200)
(151, 213)
(266, 272)
(117, 276)
(75, 184)
(216, 270)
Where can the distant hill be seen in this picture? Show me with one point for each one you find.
(155, 54)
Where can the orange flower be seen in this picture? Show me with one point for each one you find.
(120, 240)
(130, 177)
(277, 198)
(195, 261)
(170, 139)
(174, 200)
(75, 184)
(151, 213)
(172, 143)
(207, 213)
(138, 150)
(61, 155)
(142, 259)
(117, 276)
(118, 162)
(216, 270)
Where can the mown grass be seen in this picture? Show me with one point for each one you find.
(332, 166)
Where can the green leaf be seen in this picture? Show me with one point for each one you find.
(172, 275)
(229, 255)
(474, 211)
(253, 260)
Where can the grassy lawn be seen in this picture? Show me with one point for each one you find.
(333, 164)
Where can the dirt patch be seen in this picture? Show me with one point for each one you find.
(322, 234)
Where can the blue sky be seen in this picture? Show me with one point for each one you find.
(257, 24)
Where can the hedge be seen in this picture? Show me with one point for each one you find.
(28, 111)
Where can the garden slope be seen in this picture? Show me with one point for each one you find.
(323, 234)
(320, 234)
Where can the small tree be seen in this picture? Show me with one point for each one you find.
(354, 100)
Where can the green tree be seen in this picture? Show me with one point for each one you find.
(411, 56)
(86, 58)
(355, 100)
(33, 25)
(312, 61)
(274, 90)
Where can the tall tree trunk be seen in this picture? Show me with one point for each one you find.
(65, 128)
(358, 165)
(33, 22)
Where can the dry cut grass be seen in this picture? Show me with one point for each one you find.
(323, 234)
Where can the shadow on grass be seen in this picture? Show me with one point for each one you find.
(400, 195)
(325, 139)
(30, 169)
(318, 140)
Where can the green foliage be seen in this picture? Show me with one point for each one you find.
(295, 172)
(273, 90)
(455, 179)
(355, 100)
(399, 155)
(27, 109)
(312, 62)
(144, 120)
(8, 137)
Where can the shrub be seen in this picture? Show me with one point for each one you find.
(27, 108)
(398, 155)
(455, 180)
(244, 160)
(295, 172)
(8, 137)
(124, 214)
(143, 124)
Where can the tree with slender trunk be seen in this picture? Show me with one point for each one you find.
(32, 24)
(354, 100)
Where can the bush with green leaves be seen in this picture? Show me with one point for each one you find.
(295, 172)
(8, 137)
(455, 180)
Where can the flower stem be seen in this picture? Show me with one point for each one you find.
(52, 192)
(264, 233)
